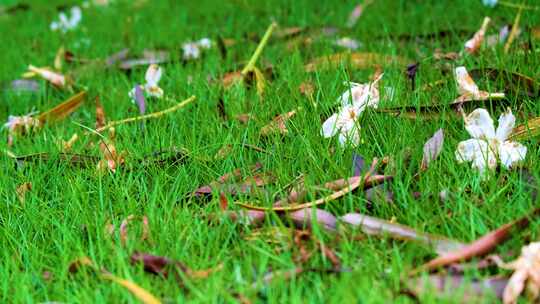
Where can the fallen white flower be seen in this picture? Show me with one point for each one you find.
(526, 274)
(468, 89)
(151, 88)
(20, 125)
(66, 23)
(488, 144)
(353, 102)
(192, 50)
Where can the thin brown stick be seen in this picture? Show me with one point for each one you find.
(513, 33)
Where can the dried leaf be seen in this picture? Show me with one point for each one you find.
(515, 83)
(62, 110)
(432, 149)
(22, 189)
(116, 57)
(54, 78)
(73, 159)
(277, 125)
(527, 130)
(375, 226)
(472, 45)
(124, 228)
(356, 13)
(140, 293)
(356, 60)
(161, 266)
(481, 246)
(411, 73)
(234, 180)
(526, 275)
(473, 290)
(358, 164)
(306, 217)
(139, 98)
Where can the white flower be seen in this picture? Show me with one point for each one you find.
(526, 275)
(151, 88)
(362, 94)
(343, 122)
(64, 23)
(353, 102)
(192, 50)
(490, 3)
(468, 90)
(347, 43)
(20, 125)
(205, 43)
(488, 144)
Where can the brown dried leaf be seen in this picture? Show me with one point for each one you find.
(432, 149)
(472, 45)
(22, 189)
(63, 110)
(473, 290)
(481, 246)
(124, 228)
(356, 60)
(54, 78)
(375, 226)
(526, 275)
(277, 125)
(162, 265)
(140, 293)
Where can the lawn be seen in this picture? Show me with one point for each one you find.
(68, 213)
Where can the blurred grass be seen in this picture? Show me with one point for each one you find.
(65, 214)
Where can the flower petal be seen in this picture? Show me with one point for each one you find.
(329, 127)
(153, 74)
(477, 151)
(507, 121)
(464, 81)
(511, 152)
(479, 124)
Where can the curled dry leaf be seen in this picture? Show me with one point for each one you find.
(432, 149)
(468, 89)
(526, 275)
(357, 60)
(277, 125)
(22, 189)
(63, 110)
(473, 290)
(234, 182)
(375, 226)
(162, 265)
(472, 45)
(527, 130)
(481, 246)
(305, 218)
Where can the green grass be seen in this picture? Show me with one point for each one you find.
(65, 215)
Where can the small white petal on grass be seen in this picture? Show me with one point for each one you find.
(347, 43)
(66, 23)
(464, 81)
(473, 44)
(329, 128)
(479, 124)
(511, 152)
(507, 120)
(526, 275)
